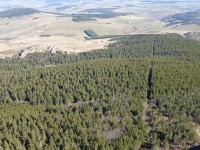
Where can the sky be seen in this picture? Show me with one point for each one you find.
(5, 4)
(21, 3)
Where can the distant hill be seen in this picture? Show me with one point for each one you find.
(16, 12)
(184, 18)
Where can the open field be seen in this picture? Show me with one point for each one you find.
(19, 33)
(61, 31)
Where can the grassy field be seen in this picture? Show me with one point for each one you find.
(53, 29)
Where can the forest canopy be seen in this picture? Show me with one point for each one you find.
(142, 92)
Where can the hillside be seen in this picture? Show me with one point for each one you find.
(142, 92)
(185, 18)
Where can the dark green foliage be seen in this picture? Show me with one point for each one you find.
(95, 100)
(177, 47)
(76, 82)
(75, 127)
(16, 12)
(91, 33)
(175, 99)
(77, 18)
(97, 13)
(184, 18)
(176, 88)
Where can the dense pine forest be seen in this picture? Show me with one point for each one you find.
(142, 92)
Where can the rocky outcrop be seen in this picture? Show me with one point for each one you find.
(193, 35)
(38, 48)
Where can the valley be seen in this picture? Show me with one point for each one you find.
(65, 28)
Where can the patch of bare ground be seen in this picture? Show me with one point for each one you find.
(49, 66)
(197, 128)
(144, 113)
(113, 134)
